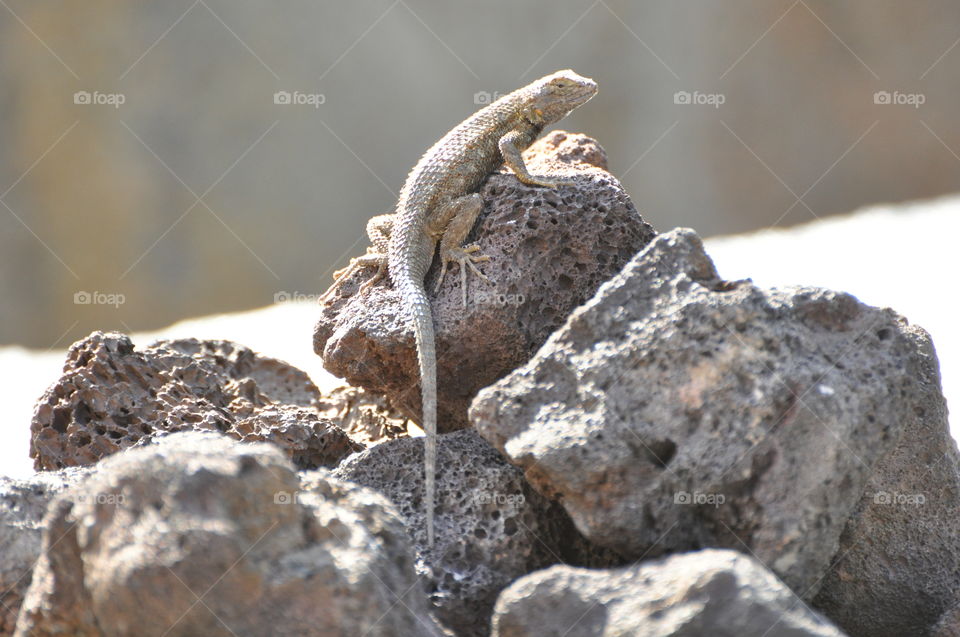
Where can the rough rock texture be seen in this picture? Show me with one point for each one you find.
(677, 411)
(898, 565)
(949, 624)
(111, 397)
(23, 504)
(492, 527)
(200, 535)
(366, 417)
(716, 593)
(550, 250)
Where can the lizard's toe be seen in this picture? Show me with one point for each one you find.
(465, 257)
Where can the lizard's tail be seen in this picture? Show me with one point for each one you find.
(427, 355)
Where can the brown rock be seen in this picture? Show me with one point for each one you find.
(550, 250)
(111, 397)
(309, 441)
(201, 535)
(367, 417)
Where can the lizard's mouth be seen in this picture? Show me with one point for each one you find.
(587, 91)
(586, 88)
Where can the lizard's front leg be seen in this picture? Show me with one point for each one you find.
(451, 223)
(511, 149)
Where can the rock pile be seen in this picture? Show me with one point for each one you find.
(200, 535)
(652, 450)
(549, 252)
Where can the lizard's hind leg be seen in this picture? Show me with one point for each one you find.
(453, 222)
(378, 229)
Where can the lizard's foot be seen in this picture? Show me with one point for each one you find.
(466, 257)
(370, 259)
(342, 272)
(347, 270)
(369, 283)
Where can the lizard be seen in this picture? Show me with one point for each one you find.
(439, 204)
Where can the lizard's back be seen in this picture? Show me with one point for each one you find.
(454, 166)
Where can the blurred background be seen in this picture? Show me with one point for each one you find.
(161, 160)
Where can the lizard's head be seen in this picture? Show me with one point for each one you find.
(556, 95)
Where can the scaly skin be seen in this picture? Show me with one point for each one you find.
(439, 203)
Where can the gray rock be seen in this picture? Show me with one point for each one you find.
(23, 504)
(675, 411)
(949, 624)
(201, 535)
(550, 250)
(897, 570)
(712, 592)
(111, 397)
(492, 527)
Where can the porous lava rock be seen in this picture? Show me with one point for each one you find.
(676, 411)
(491, 526)
(549, 249)
(897, 569)
(112, 396)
